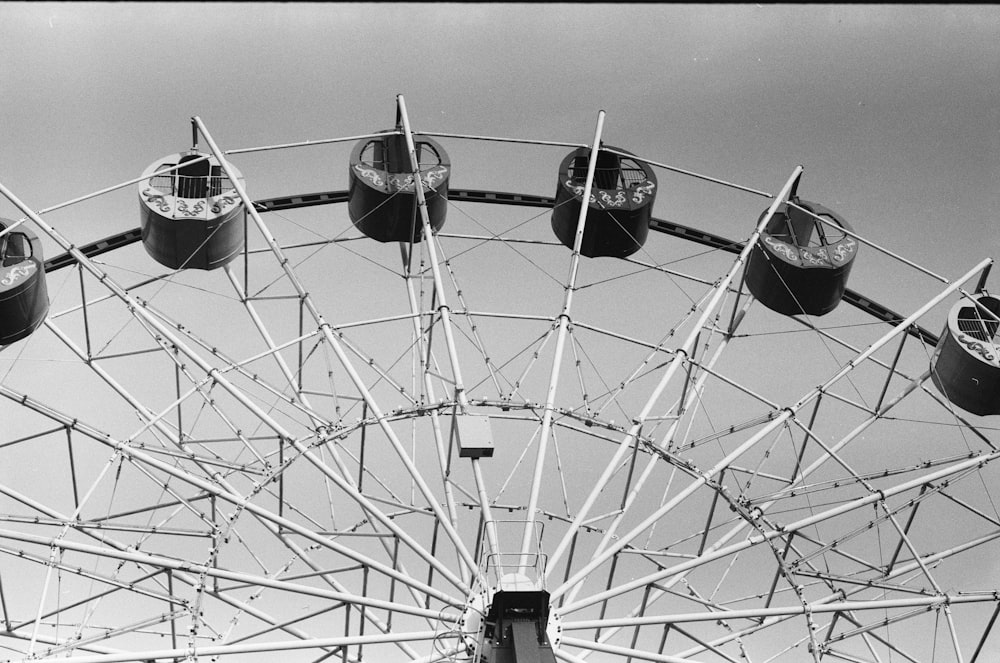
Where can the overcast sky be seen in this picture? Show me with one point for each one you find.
(893, 110)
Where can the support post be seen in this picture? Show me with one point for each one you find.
(72, 468)
(86, 317)
(3, 606)
(564, 320)
(355, 378)
(986, 634)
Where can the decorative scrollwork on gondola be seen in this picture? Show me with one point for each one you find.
(802, 260)
(185, 222)
(966, 362)
(619, 207)
(154, 197)
(382, 197)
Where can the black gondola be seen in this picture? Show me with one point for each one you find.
(620, 207)
(24, 300)
(382, 200)
(191, 217)
(801, 264)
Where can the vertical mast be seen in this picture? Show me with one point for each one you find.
(564, 318)
(445, 313)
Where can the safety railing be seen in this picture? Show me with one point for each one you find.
(508, 568)
(186, 186)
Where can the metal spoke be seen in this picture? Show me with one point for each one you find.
(265, 455)
(335, 345)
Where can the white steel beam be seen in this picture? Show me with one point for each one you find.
(653, 461)
(784, 530)
(162, 562)
(346, 482)
(237, 500)
(785, 414)
(423, 351)
(840, 595)
(249, 648)
(679, 355)
(564, 320)
(193, 582)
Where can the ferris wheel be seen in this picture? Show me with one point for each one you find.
(408, 421)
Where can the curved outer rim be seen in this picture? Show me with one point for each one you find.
(866, 304)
